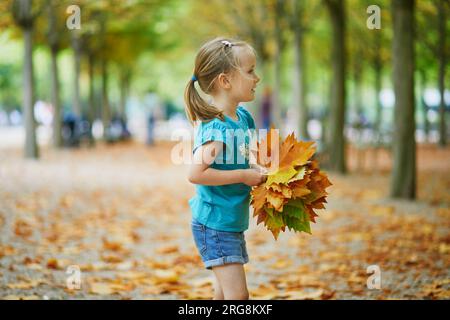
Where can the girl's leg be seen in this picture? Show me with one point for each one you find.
(232, 281)
(218, 293)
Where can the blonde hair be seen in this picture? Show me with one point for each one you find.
(214, 57)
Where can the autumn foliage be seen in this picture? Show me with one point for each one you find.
(294, 188)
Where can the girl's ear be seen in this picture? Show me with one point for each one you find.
(223, 81)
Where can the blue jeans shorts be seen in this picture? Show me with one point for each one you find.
(218, 248)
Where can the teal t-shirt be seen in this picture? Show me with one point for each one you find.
(225, 207)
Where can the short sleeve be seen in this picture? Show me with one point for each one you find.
(211, 131)
(248, 116)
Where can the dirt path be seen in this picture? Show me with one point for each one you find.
(119, 214)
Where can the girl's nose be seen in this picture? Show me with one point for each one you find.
(257, 79)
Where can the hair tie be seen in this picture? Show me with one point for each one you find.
(194, 78)
(227, 43)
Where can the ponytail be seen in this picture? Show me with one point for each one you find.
(197, 108)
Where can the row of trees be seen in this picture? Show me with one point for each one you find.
(105, 33)
(304, 39)
(412, 40)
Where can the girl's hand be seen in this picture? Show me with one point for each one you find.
(253, 177)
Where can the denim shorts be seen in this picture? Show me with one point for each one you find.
(218, 248)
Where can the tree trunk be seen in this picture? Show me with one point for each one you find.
(123, 101)
(441, 77)
(377, 66)
(57, 138)
(92, 110)
(403, 183)
(53, 38)
(124, 88)
(358, 125)
(106, 113)
(378, 106)
(76, 45)
(357, 76)
(424, 107)
(276, 101)
(31, 147)
(336, 142)
(299, 74)
(325, 115)
(92, 114)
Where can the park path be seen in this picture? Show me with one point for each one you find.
(120, 214)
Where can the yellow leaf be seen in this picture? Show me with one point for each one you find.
(132, 275)
(111, 245)
(281, 264)
(300, 192)
(25, 284)
(102, 288)
(281, 175)
(202, 282)
(112, 258)
(162, 276)
(302, 295)
(14, 297)
(286, 191)
(276, 199)
(168, 249)
(258, 197)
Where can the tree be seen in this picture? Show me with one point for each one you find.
(403, 180)
(91, 51)
(336, 140)
(279, 46)
(442, 54)
(426, 64)
(379, 56)
(77, 47)
(299, 26)
(24, 16)
(117, 37)
(357, 51)
(432, 53)
(54, 40)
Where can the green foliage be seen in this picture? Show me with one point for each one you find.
(9, 81)
(154, 41)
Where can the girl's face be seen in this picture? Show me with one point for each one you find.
(243, 81)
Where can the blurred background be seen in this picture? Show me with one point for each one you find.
(91, 93)
(113, 70)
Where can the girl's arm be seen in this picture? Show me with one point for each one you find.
(201, 173)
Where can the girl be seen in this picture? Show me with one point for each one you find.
(224, 69)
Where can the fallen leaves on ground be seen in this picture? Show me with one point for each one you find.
(120, 214)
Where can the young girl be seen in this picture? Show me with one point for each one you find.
(225, 70)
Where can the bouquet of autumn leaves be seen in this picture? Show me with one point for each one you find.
(295, 185)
